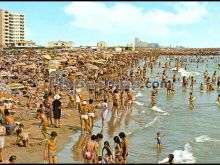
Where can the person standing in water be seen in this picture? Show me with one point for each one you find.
(218, 99)
(191, 100)
(201, 88)
(108, 157)
(50, 152)
(158, 138)
(84, 117)
(91, 114)
(89, 151)
(104, 111)
(124, 146)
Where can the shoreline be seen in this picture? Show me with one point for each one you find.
(70, 124)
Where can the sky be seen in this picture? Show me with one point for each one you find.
(188, 24)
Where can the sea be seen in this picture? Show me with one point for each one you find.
(192, 135)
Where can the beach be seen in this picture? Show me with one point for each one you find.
(88, 73)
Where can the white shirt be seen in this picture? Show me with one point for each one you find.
(104, 106)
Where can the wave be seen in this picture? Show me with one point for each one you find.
(157, 109)
(165, 114)
(138, 103)
(151, 123)
(179, 69)
(183, 72)
(182, 156)
(205, 138)
(138, 94)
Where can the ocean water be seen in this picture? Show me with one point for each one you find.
(191, 135)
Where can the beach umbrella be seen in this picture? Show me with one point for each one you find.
(16, 86)
(72, 68)
(4, 88)
(21, 64)
(6, 74)
(91, 66)
(79, 74)
(47, 57)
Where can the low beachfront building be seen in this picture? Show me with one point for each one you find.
(60, 44)
(25, 44)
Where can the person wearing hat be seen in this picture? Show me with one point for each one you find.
(57, 110)
(84, 117)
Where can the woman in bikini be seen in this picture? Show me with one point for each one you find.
(118, 149)
(108, 157)
(50, 152)
(90, 151)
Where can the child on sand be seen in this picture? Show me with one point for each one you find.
(44, 122)
(21, 136)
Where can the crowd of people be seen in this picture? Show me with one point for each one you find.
(39, 80)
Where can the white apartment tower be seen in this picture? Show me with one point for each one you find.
(11, 28)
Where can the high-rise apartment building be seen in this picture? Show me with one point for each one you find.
(11, 28)
(140, 44)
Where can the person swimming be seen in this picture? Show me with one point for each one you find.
(171, 159)
(201, 88)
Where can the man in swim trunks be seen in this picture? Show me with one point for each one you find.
(91, 114)
(50, 152)
(84, 117)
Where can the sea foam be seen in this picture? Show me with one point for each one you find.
(182, 156)
(205, 138)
